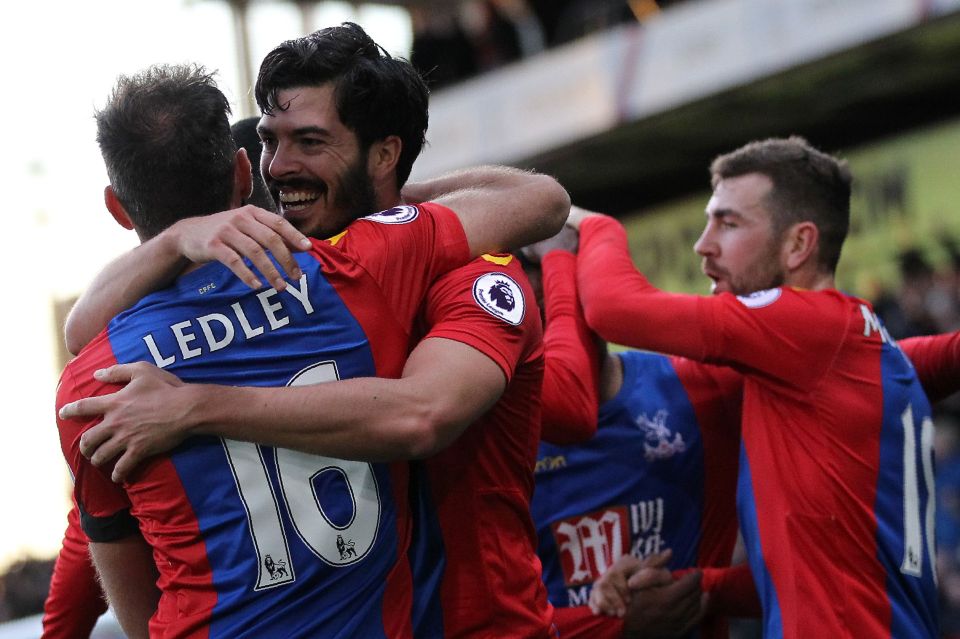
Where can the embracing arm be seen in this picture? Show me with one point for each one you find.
(445, 386)
(571, 371)
(501, 208)
(227, 237)
(129, 578)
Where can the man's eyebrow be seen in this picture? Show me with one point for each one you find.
(723, 213)
(312, 130)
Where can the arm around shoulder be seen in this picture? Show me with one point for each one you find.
(501, 208)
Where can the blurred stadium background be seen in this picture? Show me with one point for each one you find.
(625, 101)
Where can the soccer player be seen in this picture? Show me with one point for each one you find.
(249, 539)
(658, 471)
(655, 470)
(835, 483)
(75, 600)
(482, 342)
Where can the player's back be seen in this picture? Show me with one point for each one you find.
(251, 540)
(836, 478)
(655, 475)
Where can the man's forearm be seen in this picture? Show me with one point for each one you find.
(120, 285)
(365, 419)
(129, 577)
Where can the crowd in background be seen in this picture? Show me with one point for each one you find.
(458, 40)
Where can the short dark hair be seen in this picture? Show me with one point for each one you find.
(165, 138)
(245, 135)
(377, 95)
(808, 185)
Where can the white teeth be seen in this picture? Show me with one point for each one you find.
(298, 196)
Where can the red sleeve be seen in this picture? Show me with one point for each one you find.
(405, 249)
(488, 305)
(623, 307)
(579, 622)
(732, 591)
(937, 361)
(75, 599)
(103, 505)
(572, 365)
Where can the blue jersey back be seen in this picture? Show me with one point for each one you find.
(621, 492)
(295, 545)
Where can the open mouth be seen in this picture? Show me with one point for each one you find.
(293, 201)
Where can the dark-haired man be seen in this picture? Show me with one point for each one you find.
(255, 540)
(836, 480)
(332, 152)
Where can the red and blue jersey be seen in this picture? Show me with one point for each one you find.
(258, 541)
(475, 537)
(835, 488)
(659, 472)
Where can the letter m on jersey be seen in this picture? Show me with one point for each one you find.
(589, 544)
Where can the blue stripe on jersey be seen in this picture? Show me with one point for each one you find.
(428, 557)
(306, 550)
(623, 482)
(750, 531)
(905, 544)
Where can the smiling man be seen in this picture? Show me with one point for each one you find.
(342, 124)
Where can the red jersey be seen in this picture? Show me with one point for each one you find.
(836, 480)
(75, 599)
(476, 511)
(251, 539)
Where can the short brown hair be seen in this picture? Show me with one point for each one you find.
(808, 186)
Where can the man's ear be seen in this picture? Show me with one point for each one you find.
(242, 178)
(383, 157)
(800, 245)
(116, 209)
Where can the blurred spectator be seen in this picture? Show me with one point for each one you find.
(947, 449)
(24, 587)
(452, 42)
(582, 17)
(495, 38)
(441, 51)
(915, 289)
(526, 24)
